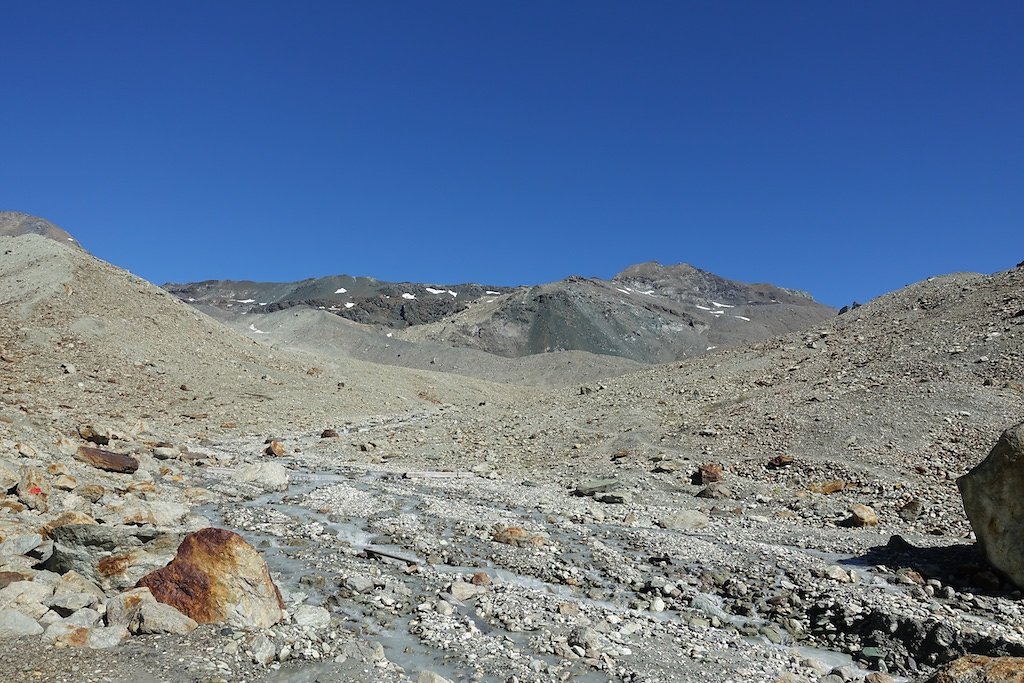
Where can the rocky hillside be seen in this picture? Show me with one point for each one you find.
(14, 223)
(648, 313)
(359, 299)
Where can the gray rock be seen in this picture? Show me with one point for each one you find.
(359, 584)
(14, 624)
(464, 590)
(106, 638)
(125, 609)
(20, 545)
(270, 476)
(86, 617)
(156, 617)
(993, 497)
(66, 604)
(431, 677)
(594, 486)
(684, 520)
(312, 616)
(263, 650)
(113, 558)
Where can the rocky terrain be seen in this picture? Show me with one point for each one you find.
(15, 223)
(785, 510)
(649, 313)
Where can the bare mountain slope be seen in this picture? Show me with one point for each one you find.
(83, 340)
(334, 339)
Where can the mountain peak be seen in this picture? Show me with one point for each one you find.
(16, 223)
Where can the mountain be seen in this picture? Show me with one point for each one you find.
(360, 299)
(15, 223)
(649, 313)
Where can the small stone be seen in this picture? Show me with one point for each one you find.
(276, 448)
(463, 590)
(828, 487)
(329, 434)
(708, 473)
(780, 461)
(684, 520)
(480, 579)
(263, 650)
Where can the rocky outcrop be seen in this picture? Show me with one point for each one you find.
(979, 669)
(993, 497)
(218, 578)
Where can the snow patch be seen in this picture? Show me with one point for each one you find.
(491, 292)
(703, 308)
(740, 317)
(454, 294)
(245, 301)
(349, 304)
(435, 291)
(340, 290)
(407, 295)
(252, 327)
(718, 305)
(624, 291)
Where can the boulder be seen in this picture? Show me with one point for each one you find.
(106, 460)
(114, 558)
(270, 476)
(993, 497)
(979, 669)
(218, 578)
(14, 624)
(861, 516)
(72, 517)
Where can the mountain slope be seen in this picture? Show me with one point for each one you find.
(648, 313)
(82, 340)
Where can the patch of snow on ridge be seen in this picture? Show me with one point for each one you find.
(340, 290)
(407, 295)
(245, 301)
(349, 304)
(454, 294)
(742, 318)
(253, 328)
(435, 291)
(491, 292)
(718, 305)
(703, 308)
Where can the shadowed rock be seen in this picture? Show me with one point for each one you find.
(993, 497)
(218, 578)
(105, 460)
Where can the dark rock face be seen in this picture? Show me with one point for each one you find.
(993, 496)
(218, 578)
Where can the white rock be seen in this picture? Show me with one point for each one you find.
(312, 616)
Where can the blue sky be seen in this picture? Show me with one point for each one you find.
(845, 148)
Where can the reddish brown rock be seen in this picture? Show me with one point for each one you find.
(780, 461)
(708, 473)
(218, 578)
(480, 579)
(979, 669)
(828, 487)
(105, 460)
(861, 516)
(517, 536)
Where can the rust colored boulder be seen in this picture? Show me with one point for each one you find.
(105, 460)
(979, 669)
(993, 496)
(218, 578)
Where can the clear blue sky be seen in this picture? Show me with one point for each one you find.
(846, 148)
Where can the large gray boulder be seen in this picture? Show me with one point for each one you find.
(993, 495)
